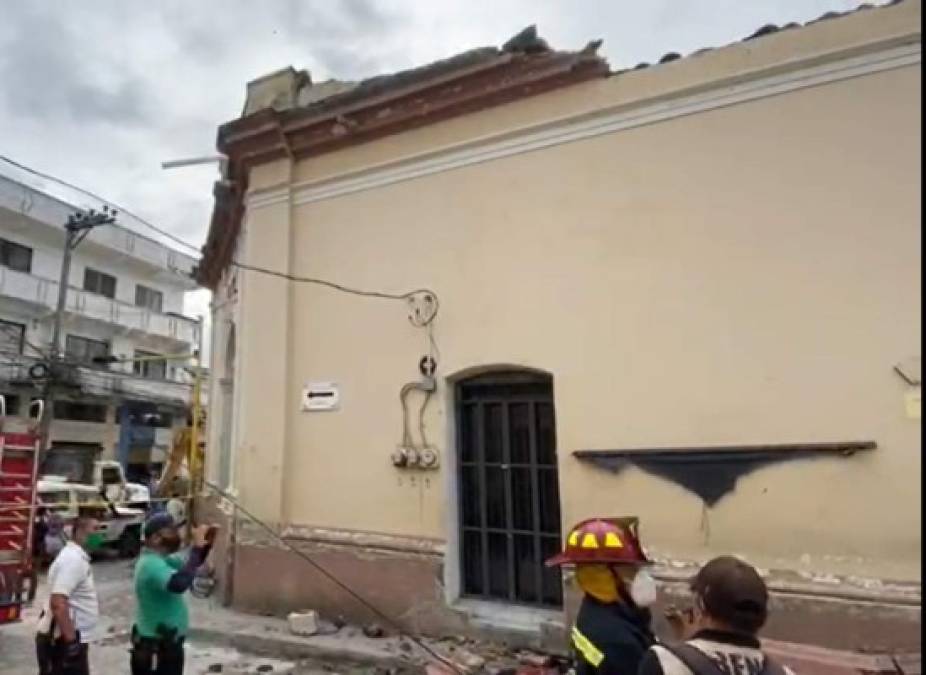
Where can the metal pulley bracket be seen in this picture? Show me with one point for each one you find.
(422, 308)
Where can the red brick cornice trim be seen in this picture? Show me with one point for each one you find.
(298, 133)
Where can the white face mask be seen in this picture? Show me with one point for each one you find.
(643, 589)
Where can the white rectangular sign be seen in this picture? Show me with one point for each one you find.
(320, 396)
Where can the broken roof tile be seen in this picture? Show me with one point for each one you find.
(526, 42)
(767, 29)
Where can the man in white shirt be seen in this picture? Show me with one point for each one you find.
(69, 619)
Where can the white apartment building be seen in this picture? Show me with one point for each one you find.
(125, 300)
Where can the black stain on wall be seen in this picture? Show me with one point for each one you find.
(712, 473)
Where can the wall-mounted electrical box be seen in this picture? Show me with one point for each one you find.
(320, 396)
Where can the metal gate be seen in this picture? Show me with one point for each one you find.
(508, 485)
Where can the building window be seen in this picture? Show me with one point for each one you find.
(80, 412)
(99, 282)
(15, 256)
(110, 475)
(12, 336)
(148, 298)
(156, 370)
(11, 403)
(85, 349)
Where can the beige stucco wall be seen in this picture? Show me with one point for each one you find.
(744, 275)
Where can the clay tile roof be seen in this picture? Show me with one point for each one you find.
(770, 28)
(380, 84)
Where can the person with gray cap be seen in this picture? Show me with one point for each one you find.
(720, 631)
(162, 576)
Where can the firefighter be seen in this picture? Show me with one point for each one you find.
(612, 631)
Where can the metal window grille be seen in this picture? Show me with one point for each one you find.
(507, 470)
(148, 298)
(99, 282)
(85, 349)
(15, 256)
(12, 337)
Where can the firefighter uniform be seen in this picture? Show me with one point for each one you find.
(612, 632)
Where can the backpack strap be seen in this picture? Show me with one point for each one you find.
(694, 659)
(772, 667)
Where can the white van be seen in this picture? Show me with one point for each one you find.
(122, 527)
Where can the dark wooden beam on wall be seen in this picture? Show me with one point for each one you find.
(712, 472)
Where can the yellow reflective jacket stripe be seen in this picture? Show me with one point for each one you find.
(589, 651)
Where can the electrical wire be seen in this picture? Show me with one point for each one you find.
(321, 569)
(429, 295)
(433, 350)
(119, 208)
(334, 579)
(61, 486)
(424, 406)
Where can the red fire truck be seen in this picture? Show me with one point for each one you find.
(19, 460)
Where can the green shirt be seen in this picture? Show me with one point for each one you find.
(154, 603)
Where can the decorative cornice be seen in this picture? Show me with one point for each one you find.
(268, 135)
(567, 130)
(267, 197)
(386, 543)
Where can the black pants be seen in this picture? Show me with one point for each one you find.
(156, 657)
(53, 659)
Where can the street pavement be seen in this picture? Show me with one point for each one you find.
(234, 643)
(109, 653)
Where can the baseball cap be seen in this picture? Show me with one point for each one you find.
(157, 522)
(733, 592)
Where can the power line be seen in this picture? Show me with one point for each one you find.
(428, 295)
(122, 209)
(332, 577)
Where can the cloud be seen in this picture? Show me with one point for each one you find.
(102, 91)
(44, 76)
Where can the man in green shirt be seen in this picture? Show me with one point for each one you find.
(162, 576)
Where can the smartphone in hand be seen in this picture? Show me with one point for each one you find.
(211, 533)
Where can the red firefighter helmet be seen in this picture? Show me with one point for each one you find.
(602, 540)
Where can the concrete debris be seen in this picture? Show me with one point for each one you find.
(536, 660)
(374, 631)
(435, 669)
(303, 623)
(215, 668)
(468, 660)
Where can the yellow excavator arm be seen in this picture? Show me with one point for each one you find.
(179, 449)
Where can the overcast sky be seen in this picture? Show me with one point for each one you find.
(100, 92)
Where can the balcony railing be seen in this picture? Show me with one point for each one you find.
(44, 292)
(99, 382)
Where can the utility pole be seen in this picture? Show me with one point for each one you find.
(76, 230)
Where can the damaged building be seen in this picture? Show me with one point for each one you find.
(462, 307)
